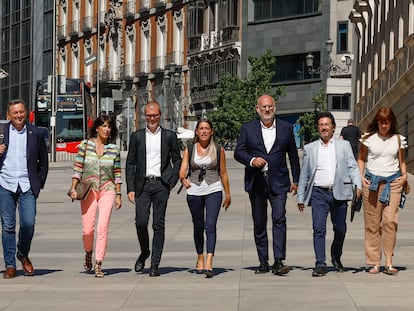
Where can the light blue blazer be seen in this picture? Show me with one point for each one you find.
(346, 173)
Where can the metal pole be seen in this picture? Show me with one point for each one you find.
(98, 61)
(128, 100)
(53, 86)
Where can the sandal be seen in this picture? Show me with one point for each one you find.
(98, 270)
(374, 270)
(87, 263)
(390, 270)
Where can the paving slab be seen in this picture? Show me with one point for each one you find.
(60, 284)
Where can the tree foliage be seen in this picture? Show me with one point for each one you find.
(309, 129)
(236, 98)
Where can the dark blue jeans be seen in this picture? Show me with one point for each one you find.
(26, 203)
(211, 204)
(323, 202)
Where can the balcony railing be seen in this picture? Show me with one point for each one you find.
(87, 24)
(130, 8)
(74, 28)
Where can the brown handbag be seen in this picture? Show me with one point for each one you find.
(83, 187)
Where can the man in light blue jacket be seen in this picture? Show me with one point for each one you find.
(327, 179)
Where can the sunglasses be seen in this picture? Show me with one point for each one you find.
(202, 174)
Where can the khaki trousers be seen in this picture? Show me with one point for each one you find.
(381, 223)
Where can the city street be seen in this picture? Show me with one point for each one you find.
(59, 282)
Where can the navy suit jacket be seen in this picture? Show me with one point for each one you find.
(37, 156)
(137, 155)
(250, 144)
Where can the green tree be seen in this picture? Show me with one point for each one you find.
(236, 98)
(309, 129)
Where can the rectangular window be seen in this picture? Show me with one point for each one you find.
(47, 31)
(196, 19)
(342, 46)
(269, 9)
(339, 102)
(291, 68)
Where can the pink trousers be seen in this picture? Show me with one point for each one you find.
(100, 202)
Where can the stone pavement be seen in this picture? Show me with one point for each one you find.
(60, 284)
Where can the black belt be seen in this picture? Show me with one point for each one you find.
(328, 189)
(152, 178)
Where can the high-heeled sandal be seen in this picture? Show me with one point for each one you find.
(98, 270)
(374, 270)
(87, 263)
(390, 270)
(208, 273)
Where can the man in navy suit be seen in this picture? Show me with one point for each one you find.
(328, 177)
(262, 147)
(152, 167)
(23, 171)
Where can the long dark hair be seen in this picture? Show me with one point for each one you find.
(101, 120)
(384, 114)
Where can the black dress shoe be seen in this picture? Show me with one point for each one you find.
(263, 268)
(154, 271)
(319, 271)
(140, 263)
(337, 265)
(279, 268)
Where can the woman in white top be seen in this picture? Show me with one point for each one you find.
(383, 171)
(203, 173)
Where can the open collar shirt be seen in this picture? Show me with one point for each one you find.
(14, 172)
(153, 150)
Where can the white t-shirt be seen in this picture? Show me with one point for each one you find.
(382, 157)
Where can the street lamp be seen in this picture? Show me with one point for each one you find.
(3, 74)
(172, 86)
(330, 66)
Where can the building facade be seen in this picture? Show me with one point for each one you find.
(293, 30)
(23, 50)
(384, 76)
(138, 50)
(214, 36)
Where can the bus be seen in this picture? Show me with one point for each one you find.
(73, 111)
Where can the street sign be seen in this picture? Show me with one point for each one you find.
(90, 59)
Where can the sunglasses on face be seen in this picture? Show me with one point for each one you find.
(202, 174)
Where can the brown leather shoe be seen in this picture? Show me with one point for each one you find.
(26, 265)
(9, 273)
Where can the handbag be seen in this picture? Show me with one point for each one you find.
(83, 187)
(406, 186)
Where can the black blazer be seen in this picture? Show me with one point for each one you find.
(37, 156)
(250, 144)
(136, 160)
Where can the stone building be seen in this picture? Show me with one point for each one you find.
(384, 76)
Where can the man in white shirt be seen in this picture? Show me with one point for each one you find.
(329, 173)
(152, 167)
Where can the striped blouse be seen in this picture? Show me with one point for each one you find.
(102, 171)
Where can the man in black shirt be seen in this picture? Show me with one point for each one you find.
(352, 134)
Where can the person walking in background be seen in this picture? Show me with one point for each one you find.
(262, 147)
(152, 166)
(327, 179)
(384, 173)
(23, 170)
(98, 162)
(203, 173)
(352, 134)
